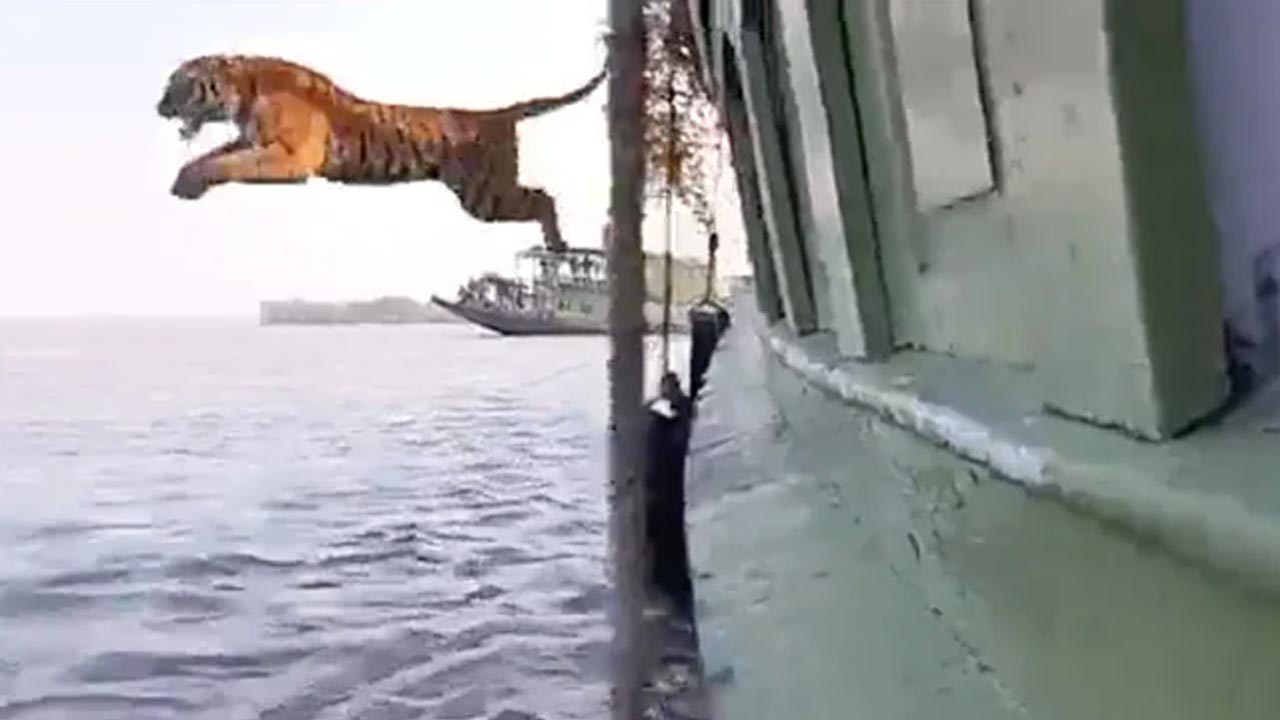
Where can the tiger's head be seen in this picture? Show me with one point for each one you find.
(199, 91)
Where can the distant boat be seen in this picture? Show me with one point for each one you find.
(567, 293)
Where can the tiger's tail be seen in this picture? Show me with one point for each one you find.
(539, 106)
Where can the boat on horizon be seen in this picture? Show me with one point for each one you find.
(567, 293)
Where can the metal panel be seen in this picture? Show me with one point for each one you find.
(746, 172)
(836, 217)
(946, 123)
(779, 211)
(1093, 264)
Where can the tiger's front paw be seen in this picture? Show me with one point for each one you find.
(191, 184)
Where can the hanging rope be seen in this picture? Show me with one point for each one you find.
(709, 224)
(669, 224)
(713, 244)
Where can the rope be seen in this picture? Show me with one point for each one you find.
(668, 221)
(713, 236)
(713, 244)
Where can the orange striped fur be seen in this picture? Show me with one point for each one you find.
(295, 124)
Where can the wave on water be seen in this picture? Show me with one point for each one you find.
(225, 522)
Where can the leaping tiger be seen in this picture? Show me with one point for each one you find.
(296, 123)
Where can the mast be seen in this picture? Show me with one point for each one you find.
(626, 356)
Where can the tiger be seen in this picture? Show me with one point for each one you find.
(295, 124)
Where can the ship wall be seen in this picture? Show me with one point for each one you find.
(976, 444)
(849, 566)
(1017, 181)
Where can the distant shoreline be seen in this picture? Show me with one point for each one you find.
(392, 310)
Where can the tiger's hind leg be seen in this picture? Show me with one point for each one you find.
(489, 190)
(515, 203)
(518, 203)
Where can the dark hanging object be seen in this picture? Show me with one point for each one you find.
(670, 421)
(707, 322)
(668, 445)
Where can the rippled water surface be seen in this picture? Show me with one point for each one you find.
(209, 519)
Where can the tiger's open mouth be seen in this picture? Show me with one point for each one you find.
(190, 128)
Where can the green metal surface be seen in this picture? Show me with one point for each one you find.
(738, 130)
(1050, 215)
(779, 214)
(848, 566)
(1172, 234)
(846, 569)
(1060, 269)
(1210, 499)
(834, 215)
(783, 84)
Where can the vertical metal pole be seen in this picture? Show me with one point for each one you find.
(626, 355)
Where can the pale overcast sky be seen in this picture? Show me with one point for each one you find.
(86, 221)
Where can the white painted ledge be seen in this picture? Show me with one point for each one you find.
(1213, 498)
